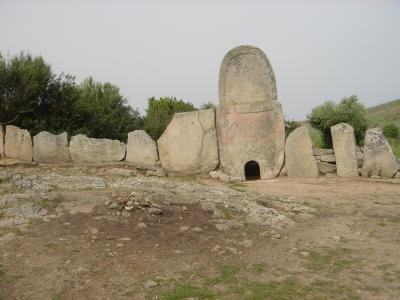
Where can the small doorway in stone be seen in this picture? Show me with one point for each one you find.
(252, 170)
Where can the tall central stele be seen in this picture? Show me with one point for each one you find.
(250, 123)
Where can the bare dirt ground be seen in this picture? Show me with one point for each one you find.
(65, 233)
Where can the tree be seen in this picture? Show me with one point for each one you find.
(32, 96)
(349, 110)
(160, 112)
(102, 112)
(208, 105)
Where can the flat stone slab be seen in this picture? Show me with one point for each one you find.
(300, 161)
(141, 149)
(378, 156)
(84, 149)
(189, 144)
(52, 148)
(344, 144)
(18, 143)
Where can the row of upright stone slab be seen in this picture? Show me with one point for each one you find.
(377, 159)
(16, 143)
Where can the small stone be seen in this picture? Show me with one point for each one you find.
(247, 243)
(222, 227)
(150, 284)
(184, 208)
(125, 214)
(375, 177)
(141, 225)
(114, 205)
(125, 239)
(304, 253)
(107, 202)
(94, 231)
(154, 211)
(119, 245)
(232, 250)
(157, 246)
(128, 208)
(184, 228)
(216, 248)
(197, 229)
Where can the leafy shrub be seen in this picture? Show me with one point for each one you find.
(160, 112)
(391, 130)
(349, 110)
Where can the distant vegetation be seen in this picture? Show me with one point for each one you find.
(348, 110)
(382, 114)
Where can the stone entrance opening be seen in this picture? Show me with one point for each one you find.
(252, 170)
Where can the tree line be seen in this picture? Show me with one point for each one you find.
(32, 96)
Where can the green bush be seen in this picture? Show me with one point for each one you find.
(349, 111)
(160, 112)
(391, 130)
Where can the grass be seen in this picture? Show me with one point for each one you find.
(232, 282)
(329, 260)
(395, 144)
(238, 186)
(41, 203)
(381, 114)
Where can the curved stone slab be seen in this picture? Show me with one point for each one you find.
(84, 149)
(246, 77)
(48, 147)
(141, 149)
(18, 143)
(344, 145)
(299, 158)
(378, 155)
(189, 144)
(250, 123)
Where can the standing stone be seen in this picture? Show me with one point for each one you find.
(344, 145)
(189, 144)
(141, 149)
(250, 123)
(48, 147)
(300, 161)
(18, 143)
(1, 142)
(378, 156)
(84, 149)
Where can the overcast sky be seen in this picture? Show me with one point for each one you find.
(320, 50)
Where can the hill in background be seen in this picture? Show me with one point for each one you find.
(382, 114)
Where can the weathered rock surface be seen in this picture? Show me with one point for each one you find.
(344, 145)
(378, 155)
(18, 143)
(84, 149)
(189, 144)
(1, 142)
(300, 161)
(320, 152)
(250, 123)
(48, 147)
(141, 149)
(325, 167)
(328, 158)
